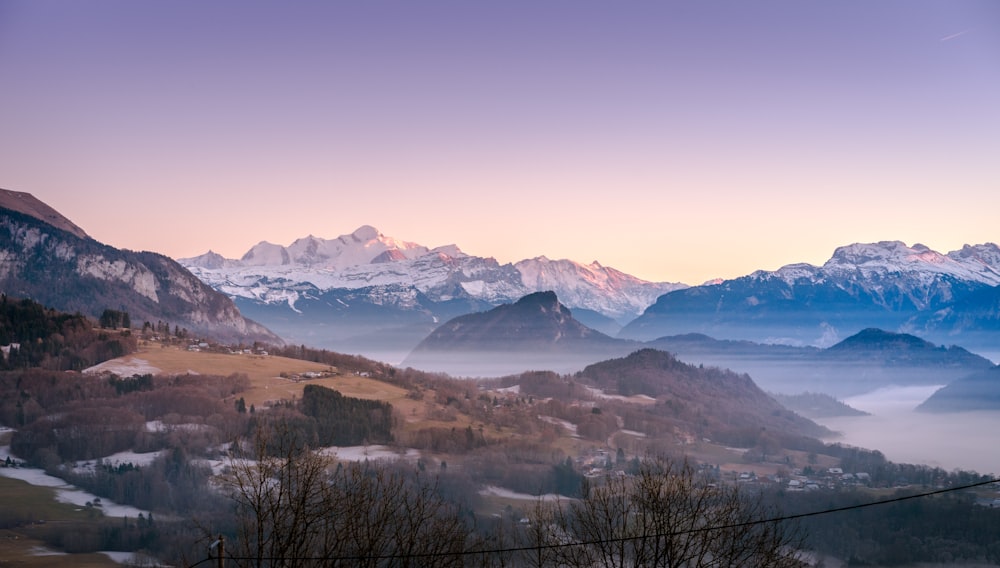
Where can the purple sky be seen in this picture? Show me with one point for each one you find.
(676, 141)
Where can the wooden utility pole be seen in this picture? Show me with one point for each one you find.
(222, 551)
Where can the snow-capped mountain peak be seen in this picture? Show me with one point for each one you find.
(364, 246)
(366, 233)
(451, 251)
(894, 257)
(984, 257)
(271, 273)
(594, 286)
(887, 284)
(266, 254)
(210, 259)
(861, 254)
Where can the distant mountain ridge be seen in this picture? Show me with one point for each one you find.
(366, 257)
(866, 361)
(535, 333)
(314, 291)
(978, 391)
(63, 270)
(364, 291)
(539, 333)
(887, 285)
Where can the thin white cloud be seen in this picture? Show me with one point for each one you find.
(953, 36)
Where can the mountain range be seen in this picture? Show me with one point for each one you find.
(47, 258)
(366, 289)
(947, 298)
(537, 332)
(380, 296)
(864, 362)
(369, 293)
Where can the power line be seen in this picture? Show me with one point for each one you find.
(540, 547)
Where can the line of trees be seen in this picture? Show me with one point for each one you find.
(35, 336)
(346, 421)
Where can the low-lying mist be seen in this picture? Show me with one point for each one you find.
(962, 440)
(498, 364)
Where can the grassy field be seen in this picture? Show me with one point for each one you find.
(268, 380)
(23, 505)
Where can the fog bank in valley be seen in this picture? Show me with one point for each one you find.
(950, 441)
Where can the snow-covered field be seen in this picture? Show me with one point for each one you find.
(65, 493)
(639, 398)
(633, 433)
(493, 491)
(136, 459)
(361, 453)
(124, 367)
(569, 426)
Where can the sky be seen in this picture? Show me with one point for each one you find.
(674, 140)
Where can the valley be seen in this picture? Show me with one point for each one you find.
(520, 419)
(949, 441)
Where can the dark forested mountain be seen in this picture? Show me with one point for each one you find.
(978, 391)
(887, 285)
(816, 405)
(732, 402)
(901, 349)
(536, 332)
(66, 270)
(868, 360)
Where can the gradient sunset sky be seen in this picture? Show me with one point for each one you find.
(676, 141)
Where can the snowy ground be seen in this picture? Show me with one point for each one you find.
(569, 426)
(136, 459)
(124, 367)
(130, 558)
(493, 491)
(43, 551)
(640, 398)
(65, 493)
(361, 453)
(346, 453)
(633, 433)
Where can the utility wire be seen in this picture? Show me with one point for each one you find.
(540, 547)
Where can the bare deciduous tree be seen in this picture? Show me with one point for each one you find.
(666, 515)
(299, 508)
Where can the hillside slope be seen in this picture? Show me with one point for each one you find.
(64, 271)
(729, 405)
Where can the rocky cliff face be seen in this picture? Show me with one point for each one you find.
(66, 270)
